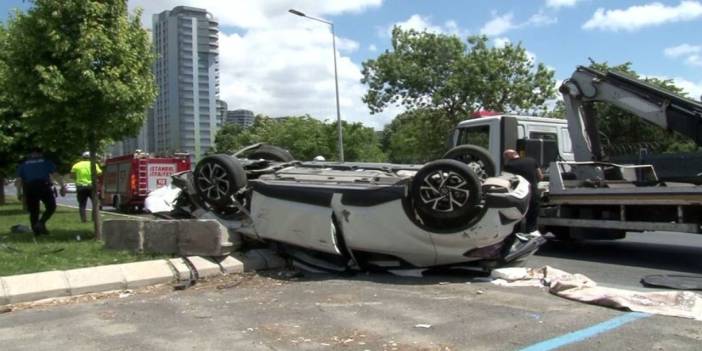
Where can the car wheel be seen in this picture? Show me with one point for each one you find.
(217, 178)
(476, 157)
(446, 191)
(271, 153)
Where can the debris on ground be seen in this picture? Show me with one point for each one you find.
(125, 293)
(20, 229)
(425, 326)
(578, 287)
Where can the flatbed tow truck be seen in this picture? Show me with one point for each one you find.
(591, 197)
(587, 197)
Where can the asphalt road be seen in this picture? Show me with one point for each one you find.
(322, 312)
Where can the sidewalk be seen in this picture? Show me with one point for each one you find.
(184, 270)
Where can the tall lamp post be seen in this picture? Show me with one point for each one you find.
(336, 80)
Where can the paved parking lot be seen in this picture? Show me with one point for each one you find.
(321, 312)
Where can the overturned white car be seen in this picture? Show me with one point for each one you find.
(342, 216)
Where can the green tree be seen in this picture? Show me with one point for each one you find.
(437, 71)
(416, 136)
(305, 137)
(80, 73)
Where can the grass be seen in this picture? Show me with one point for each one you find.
(22, 253)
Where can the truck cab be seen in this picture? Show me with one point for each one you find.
(544, 139)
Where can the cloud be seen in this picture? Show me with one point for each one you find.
(372, 48)
(278, 64)
(682, 50)
(694, 90)
(692, 54)
(255, 14)
(694, 60)
(501, 42)
(641, 16)
(423, 23)
(500, 24)
(540, 19)
(556, 4)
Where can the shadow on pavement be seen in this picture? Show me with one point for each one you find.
(662, 256)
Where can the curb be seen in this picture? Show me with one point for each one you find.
(43, 285)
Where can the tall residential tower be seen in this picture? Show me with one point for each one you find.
(187, 74)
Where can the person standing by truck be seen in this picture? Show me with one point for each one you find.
(84, 182)
(528, 168)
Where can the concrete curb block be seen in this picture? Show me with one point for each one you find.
(93, 279)
(140, 274)
(43, 285)
(35, 286)
(182, 271)
(231, 265)
(204, 267)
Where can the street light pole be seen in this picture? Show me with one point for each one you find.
(340, 145)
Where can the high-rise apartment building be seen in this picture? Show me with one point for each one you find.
(244, 118)
(184, 116)
(221, 112)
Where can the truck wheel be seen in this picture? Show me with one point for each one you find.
(476, 157)
(446, 193)
(271, 153)
(217, 178)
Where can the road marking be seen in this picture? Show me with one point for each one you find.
(582, 334)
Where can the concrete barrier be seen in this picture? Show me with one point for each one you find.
(203, 237)
(161, 236)
(188, 237)
(124, 234)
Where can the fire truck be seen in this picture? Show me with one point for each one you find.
(128, 179)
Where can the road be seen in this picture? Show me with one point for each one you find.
(323, 312)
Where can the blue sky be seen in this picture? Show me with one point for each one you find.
(278, 64)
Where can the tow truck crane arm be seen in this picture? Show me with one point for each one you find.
(651, 104)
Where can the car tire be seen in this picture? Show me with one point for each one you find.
(271, 153)
(476, 157)
(446, 193)
(217, 178)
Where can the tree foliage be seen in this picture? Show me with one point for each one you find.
(305, 137)
(438, 71)
(78, 70)
(416, 136)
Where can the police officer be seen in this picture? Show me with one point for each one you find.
(35, 177)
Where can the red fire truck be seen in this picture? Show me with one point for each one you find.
(128, 179)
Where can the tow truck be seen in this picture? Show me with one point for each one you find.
(585, 196)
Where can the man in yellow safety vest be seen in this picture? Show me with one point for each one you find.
(84, 182)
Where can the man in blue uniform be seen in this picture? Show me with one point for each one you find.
(35, 175)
